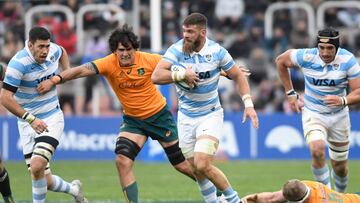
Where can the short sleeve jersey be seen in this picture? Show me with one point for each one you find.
(132, 85)
(207, 63)
(322, 194)
(24, 74)
(325, 79)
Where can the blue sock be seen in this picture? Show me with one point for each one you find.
(340, 183)
(231, 195)
(59, 185)
(39, 189)
(322, 175)
(208, 191)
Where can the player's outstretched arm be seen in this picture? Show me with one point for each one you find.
(84, 70)
(265, 197)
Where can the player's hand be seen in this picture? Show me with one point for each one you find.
(296, 103)
(333, 101)
(251, 113)
(45, 86)
(249, 198)
(39, 126)
(191, 78)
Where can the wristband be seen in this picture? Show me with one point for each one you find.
(178, 75)
(28, 117)
(247, 101)
(292, 93)
(344, 101)
(61, 78)
(246, 96)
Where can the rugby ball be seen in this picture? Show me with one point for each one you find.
(180, 84)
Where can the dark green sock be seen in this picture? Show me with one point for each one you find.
(131, 193)
(218, 193)
(5, 187)
(9, 199)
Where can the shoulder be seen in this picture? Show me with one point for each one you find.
(345, 52)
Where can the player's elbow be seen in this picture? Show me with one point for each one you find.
(155, 77)
(4, 100)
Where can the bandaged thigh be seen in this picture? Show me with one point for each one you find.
(314, 135)
(206, 145)
(338, 153)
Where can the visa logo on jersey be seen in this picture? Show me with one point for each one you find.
(204, 75)
(45, 78)
(323, 82)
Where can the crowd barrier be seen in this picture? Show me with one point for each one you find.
(88, 138)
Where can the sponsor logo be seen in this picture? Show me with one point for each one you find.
(141, 71)
(284, 138)
(72, 140)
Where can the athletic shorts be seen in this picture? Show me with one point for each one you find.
(161, 126)
(335, 127)
(55, 124)
(191, 128)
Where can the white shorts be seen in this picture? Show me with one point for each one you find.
(190, 129)
(335, 127)
(55, 124)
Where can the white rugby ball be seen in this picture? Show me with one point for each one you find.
(180, 84)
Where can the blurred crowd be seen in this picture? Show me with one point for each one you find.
(238, 25)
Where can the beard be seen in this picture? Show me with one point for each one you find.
(190, 47)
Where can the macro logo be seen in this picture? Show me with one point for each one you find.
(284, 138)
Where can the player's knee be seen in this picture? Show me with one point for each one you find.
(338, 153)
(340, 170)
(37, 168)
(202, 167)
(174, 154)
(123, 162)
(127, 148)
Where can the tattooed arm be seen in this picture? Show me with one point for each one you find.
(84, 70)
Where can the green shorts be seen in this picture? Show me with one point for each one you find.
(160, 126)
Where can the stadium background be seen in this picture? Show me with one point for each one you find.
(254, 32)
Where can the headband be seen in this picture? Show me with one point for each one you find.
(306, 195)
(329, 40)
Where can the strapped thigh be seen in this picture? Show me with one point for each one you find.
(174, 154)
(127, 147)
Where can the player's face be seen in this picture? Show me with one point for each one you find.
(39, 49)
(193, 36)
(126, 55)
(327, 52)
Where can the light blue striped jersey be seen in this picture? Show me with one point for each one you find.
(24, 73)
(325, 79)
(208, 62)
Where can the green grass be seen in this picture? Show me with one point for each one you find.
(161, 183)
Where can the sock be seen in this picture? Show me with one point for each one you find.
(59, 185)
(340, 183)
(39, 189)
(218, 192)
(131, 193)
(5, 186)
(208, 191)
(322, 175)
(231, 196)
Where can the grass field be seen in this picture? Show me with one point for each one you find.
(161, 183)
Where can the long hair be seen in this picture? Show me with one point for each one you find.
(124, 35)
